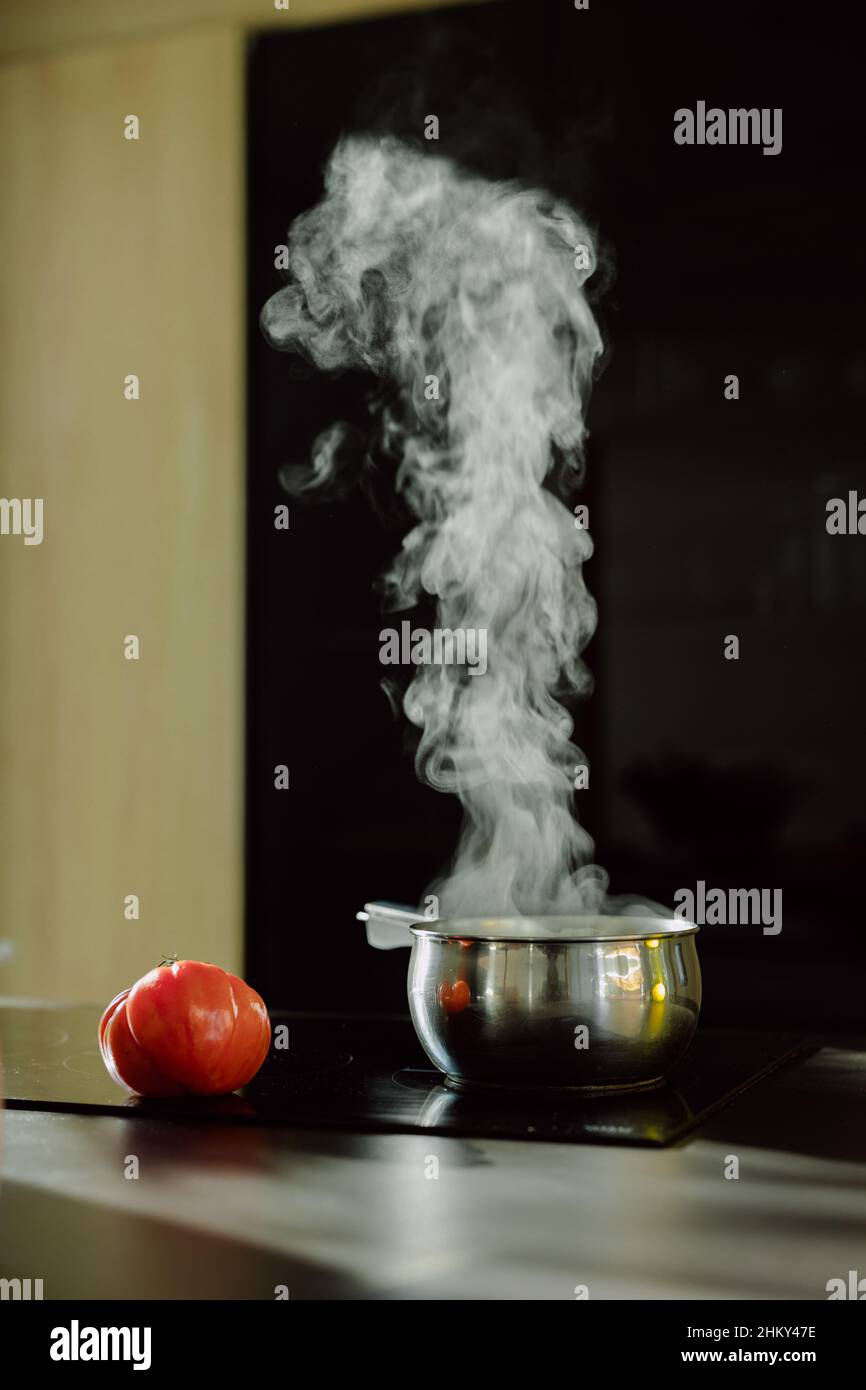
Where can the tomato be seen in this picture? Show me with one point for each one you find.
(186, 1028)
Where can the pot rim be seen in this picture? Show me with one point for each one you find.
(524, 931)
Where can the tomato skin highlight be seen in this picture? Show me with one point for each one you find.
(187, 1028)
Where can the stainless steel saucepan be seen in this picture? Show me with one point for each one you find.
(585, 1002)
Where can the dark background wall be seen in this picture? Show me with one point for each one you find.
(708, 515)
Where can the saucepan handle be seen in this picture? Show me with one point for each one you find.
(388, 924)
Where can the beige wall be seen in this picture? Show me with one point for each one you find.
(121, 777)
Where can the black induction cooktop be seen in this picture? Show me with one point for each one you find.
(370, 1074)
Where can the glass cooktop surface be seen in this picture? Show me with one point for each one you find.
(371, 1074)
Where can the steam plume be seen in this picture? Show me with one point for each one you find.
(415, 270)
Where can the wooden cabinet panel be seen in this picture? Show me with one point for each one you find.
(119, 256)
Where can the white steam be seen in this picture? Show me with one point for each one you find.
(415, 270)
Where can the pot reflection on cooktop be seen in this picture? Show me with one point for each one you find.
(371, 1074)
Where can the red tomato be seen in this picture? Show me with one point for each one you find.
(186, 1028)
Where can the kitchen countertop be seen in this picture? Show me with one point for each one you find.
(223, 1211)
